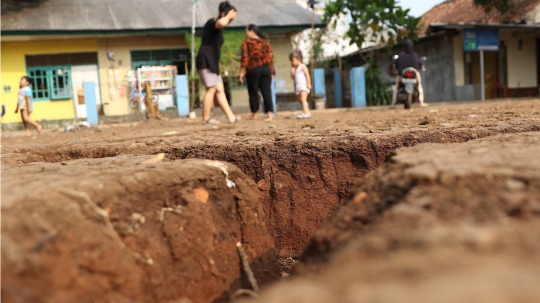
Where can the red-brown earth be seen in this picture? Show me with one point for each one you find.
(303, 170)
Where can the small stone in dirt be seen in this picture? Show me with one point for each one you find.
(359, 197)
(64, 163)
(201, 195)
(264, 185)
(158, 158)
(514, 185)
(310, 126)
(306, 128)
(170, 133)
(138, 218)
(271, 126)
(241, 134)
(426, 121)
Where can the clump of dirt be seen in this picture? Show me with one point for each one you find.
(129, 229)
(427, 120)
(459, 222)
(482, 181)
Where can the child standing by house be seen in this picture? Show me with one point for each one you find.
(302, 82)
(24, 104)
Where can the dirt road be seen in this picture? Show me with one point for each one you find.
(303, 170)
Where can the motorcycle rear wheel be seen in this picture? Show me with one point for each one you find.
(408, 102)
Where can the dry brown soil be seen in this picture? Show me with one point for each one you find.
(303, 173)
(453, 223)
(57, 248)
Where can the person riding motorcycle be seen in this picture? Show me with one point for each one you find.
(408, 58)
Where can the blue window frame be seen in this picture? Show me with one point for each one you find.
(40, 83)
(51, 82)
(60, 79)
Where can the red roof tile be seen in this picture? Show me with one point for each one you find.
(456, 11)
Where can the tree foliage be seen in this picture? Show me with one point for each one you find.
(502, 6)
(377, 92)
(230, 51)
(374, 22)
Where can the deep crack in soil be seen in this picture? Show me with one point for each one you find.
(303, 175)
(455, 223)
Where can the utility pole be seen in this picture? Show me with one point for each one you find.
(483, 80)
(312, 57)
(192, 80)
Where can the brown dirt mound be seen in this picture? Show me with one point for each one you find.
(57, 246)
(445, 223)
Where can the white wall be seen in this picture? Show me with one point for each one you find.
(533, 17)
(282, 47)
(459, 63)
(521, 63)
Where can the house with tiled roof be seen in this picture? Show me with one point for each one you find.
(510, 70)
(62, 44)
(511, 63)
(464, 12)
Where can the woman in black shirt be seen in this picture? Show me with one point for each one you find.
(208, 62)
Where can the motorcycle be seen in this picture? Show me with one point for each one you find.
(408, 92)
(408, 88)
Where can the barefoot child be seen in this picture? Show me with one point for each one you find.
(24, 104)
(302, 82)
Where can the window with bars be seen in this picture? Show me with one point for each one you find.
(40, 87)
(51, 73)
(60, 77)
(158, 57)
(51, 82)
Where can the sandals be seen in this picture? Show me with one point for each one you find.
(304, 116)
(236, 119)
(211, 122)
(216, 122)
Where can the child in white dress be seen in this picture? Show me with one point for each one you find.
(302, 82)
